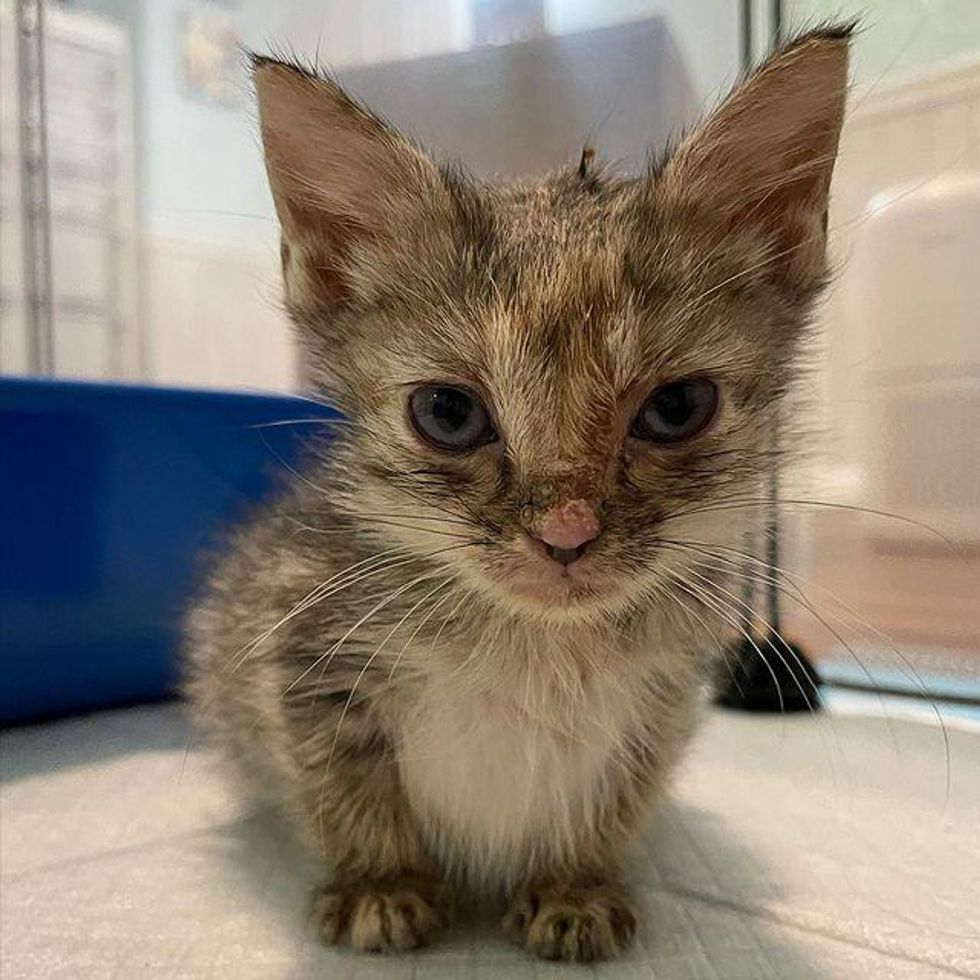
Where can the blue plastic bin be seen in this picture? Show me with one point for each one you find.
(108, 493)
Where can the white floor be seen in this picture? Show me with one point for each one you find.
(792, 849)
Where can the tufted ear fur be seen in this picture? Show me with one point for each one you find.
(763, 160)
(351, 193)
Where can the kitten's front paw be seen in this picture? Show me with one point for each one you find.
(386, 916)
(578, 923)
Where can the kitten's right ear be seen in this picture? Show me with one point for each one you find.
(765, 156)
(348, 189)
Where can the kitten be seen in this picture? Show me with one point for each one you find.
(469, 642)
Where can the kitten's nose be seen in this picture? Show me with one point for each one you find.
(567, 528)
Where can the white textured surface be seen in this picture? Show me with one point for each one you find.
(792, 849)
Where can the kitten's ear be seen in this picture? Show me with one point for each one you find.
(765, 157)
(348, 189)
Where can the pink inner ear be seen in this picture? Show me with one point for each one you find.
(326, 242)
(766, 155)
(342, 181)
(792, 205)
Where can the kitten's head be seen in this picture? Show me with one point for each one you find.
(568, 378)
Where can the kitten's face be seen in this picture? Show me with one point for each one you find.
(560, 386)
(521, 378)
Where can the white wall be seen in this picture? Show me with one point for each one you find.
(216, 315)
(206, 236)
(208, 242)
(705, 32)
(897, 36)
(206, 217)
(201, 172)
(345, 33)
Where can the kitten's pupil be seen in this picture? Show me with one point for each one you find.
(674, 404)
(450, 408)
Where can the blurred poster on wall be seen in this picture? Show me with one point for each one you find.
(211, 58)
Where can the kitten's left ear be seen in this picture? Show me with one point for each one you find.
(765, 157)
(352, 194)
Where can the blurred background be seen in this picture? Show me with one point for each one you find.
(139, 242)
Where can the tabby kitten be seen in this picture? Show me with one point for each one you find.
(467, 645)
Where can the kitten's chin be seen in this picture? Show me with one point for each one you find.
(554, 593)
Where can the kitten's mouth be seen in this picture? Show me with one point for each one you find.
(556, 576)
(565, 556)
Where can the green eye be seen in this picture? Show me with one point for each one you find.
(676, 411)
(450, 418)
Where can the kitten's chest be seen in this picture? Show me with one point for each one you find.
(499, 767)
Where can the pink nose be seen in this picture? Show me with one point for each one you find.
(569, 525)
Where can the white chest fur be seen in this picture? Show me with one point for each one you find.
(515, 760)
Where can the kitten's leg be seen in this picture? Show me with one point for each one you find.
(578, 919)
(386, 895)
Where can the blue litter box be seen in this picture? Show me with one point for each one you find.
(108, 494)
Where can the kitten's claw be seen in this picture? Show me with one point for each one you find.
(578, 924)
(387, 916)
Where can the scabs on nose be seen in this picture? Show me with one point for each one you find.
(568, 527)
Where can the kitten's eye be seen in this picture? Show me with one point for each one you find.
(676, 411)
(450, 418)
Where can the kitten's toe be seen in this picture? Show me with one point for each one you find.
(574, 923)
(387, 916)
